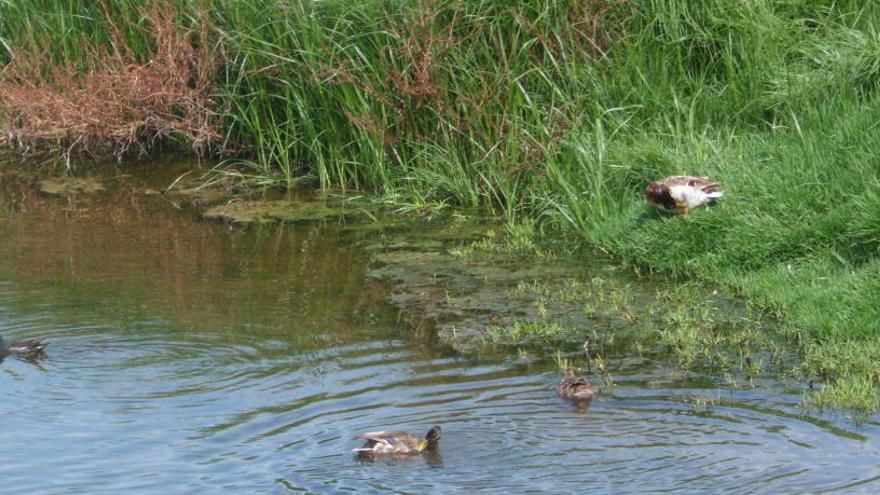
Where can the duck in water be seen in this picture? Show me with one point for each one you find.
(573, 387)
(398, 442)
(27, 349)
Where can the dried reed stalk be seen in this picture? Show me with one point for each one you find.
(120, 105)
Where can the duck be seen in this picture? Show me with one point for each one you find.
(682, 193)
(28, 348)
(398, 442)
(574, 387)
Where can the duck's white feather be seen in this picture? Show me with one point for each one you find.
(691, 197)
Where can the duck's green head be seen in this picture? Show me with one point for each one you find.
(430, 441)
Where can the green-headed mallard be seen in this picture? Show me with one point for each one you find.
(28, 348)
(682, 193)
(397, 442)
(573, 387)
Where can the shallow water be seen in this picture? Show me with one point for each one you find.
(188, 357)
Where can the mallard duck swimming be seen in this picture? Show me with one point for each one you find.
(397, 442)
(28, 348)
(573, 387)
(682, 193)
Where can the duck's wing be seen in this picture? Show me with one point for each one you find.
(27, 346)
(583, 393)
(704, 183)
(571, 384)
(580, 383)
(674, 180)
(389, 437)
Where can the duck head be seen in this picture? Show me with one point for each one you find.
(431, 439)
(658, 194)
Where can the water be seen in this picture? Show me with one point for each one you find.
(188, 357)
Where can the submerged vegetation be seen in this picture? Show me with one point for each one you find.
(553, 114)
(700, 330)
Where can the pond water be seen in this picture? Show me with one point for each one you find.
(189, 357)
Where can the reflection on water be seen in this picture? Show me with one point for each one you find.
(186, 357)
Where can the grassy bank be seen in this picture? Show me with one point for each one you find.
(561, 112)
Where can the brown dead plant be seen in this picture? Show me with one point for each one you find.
(119, 105)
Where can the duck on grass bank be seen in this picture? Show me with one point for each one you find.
(27, 349)
(398, 442)
(682, 193)
(574, 387)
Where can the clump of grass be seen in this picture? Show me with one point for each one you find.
(853, 392)
(704, 404)
(530, 332)
(517, 239)
(562, 363)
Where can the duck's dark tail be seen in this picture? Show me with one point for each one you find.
(29, 347)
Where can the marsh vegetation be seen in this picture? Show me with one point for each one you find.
(550, 114)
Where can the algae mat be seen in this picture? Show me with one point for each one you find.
(257, 212)
(67, 186)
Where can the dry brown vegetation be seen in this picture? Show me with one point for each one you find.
(120, 105)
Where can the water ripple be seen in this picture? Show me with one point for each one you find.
(257, 379)
(207, 413)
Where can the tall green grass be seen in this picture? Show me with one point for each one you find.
(561, 112)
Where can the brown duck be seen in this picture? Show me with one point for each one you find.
(573, 387)
(398, 442)
(682, 193)
(28, 348)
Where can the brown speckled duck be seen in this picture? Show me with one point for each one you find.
(398, 442)
(682, 193)
(27, 349)
(573, 387)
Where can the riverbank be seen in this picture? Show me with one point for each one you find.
(451, 282)
(252, 355)
(558, 114)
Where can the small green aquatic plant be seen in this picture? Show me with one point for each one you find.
(604, 380)
(681, 320)
(703, 403)
(855, 393)
(562, 362)
(530, 332)
(517, 239)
